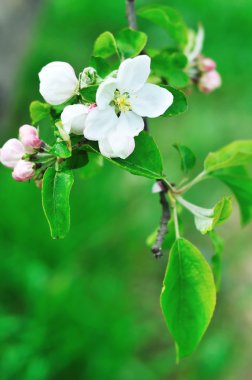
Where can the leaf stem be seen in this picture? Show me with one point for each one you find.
(176, 224)
(199, 178)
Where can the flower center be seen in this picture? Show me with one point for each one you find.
(121, 102)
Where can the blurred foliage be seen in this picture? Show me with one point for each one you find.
(88, 307)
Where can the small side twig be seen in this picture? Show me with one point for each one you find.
(131, 14)
(163, 228)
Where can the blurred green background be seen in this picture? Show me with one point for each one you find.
(88, 307)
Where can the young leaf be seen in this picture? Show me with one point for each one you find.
(170, 67)
(105, 46)
(207, 219)
(179, 104)
(60, 149)
(187, 157)
(89, 93)
(216, 260)
(240, 183)
(235, 154)
(101, 66)
(78, 159)
(55, 199)
(188, 296)
(93, 167)
(39, 111)
(144, 161)
(131, 42)
(168, 19)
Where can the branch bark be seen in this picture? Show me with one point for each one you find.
(163, 227)
(166, 215)
(131, 14)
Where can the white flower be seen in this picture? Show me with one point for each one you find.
(12, 151)
(73, 118)
(58, 82)
(122, 103)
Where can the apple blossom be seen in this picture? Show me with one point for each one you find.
(58, 82)
(122, 102)
(28, 135)
(11, 152)
(73, 118)
(209, 81)
(23, 171)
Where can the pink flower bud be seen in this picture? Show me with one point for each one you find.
(92, 106)
(28, 135)
(12, 151)
(209, 81)
(207, 64)
(23, 171)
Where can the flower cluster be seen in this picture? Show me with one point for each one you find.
(201, 69)
(15, 153)
(122, 100)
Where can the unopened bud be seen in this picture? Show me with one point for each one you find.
(209, 81)
(23, 171)
(207, 64)
(28, 135)
(88, 77)
(12, 151)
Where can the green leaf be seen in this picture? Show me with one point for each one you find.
(168, 19)
(169, 66)
(60, 149)
(179, 104)
(222, 211)
(235, 154)
(188, 296)
(39, 111)
(89, 93)
(131, 42)
(94, 166)
(216, 259)
(187, 157)
(105, 46)
(101, 66)
(55, 199)
(78, 159)
(144, 161)
(240, 183)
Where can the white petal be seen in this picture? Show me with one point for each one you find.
(73, 118)
(133, 73)
(106, 149)
(58, 82)
(99, 123)
(105, 93)
(151, 100)
(122, 146)
(130, 124)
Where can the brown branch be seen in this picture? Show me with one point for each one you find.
(131, 13)
(166, 215)
(163, 227)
